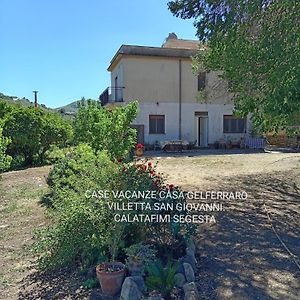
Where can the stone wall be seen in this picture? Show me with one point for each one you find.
(134, 287)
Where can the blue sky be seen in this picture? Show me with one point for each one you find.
(62, 48)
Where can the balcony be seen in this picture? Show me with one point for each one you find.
(112, 95)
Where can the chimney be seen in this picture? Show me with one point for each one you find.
(171, 36)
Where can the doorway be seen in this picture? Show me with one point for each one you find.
(202, 130)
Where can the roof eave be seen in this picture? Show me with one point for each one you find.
(123, 50)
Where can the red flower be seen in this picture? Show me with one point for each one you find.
(171, 187)
(149, 164)
(144, 167)
(139, 146)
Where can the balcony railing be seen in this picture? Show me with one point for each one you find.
(111, 95)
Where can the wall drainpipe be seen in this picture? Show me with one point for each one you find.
(180, 100)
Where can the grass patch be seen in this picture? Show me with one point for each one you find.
(5, 281)
(9, 209)
(25, 193)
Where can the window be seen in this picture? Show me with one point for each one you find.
(232, 124)
(156, 124)
(201, 81)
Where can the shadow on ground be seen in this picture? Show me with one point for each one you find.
(63, 284)
(240, 256)
(200, 152)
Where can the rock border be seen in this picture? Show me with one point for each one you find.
(134, 287)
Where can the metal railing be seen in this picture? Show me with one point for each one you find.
(112, 94)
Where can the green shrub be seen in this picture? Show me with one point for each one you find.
(83, 230)
(80, 169)
(106, 129)
(5, 160)
(33, 131)
(162, 278)
(81, 227)
(168, 237)
(75, 236)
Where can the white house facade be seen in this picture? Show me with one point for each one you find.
(175, 104)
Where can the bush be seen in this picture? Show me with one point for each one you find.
(81, 226)
(162, 278)
(33, 131)
(5, 160)
(106, 129)
(82, 230)
(168, 237)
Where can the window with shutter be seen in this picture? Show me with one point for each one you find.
(156, 124)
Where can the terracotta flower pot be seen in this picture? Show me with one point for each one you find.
(139, 152)
(111, 282)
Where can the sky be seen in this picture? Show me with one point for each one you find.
(62, 48)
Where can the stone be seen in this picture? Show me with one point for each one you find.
(139, 280)
(191, 291)
(190, 244)
(130, 290)
(191, 253)
(189, 272)
(179, 280)
(135, 269)
(95, 295)
(190, 259)
(180, 268)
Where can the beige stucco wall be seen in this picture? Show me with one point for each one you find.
(118, 71)
(215, 114)
(156, 79)
(150, 79)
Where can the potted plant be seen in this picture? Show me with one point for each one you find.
(111, 274)
(138, 257)
(139, 150)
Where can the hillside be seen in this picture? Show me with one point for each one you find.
(68, 110)
(71, 108)
(20, 101)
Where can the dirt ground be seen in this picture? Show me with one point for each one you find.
(239, 257)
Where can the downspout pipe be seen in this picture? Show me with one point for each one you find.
(180, 98)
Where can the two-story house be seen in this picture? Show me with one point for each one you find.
(175, 103)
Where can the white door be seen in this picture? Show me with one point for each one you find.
(202, 136)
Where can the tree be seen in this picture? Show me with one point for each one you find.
(256, 43)
(5, 160)
(33, 131)
(5, 108)
(55, 131)
(106, 129)
(23, 126)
